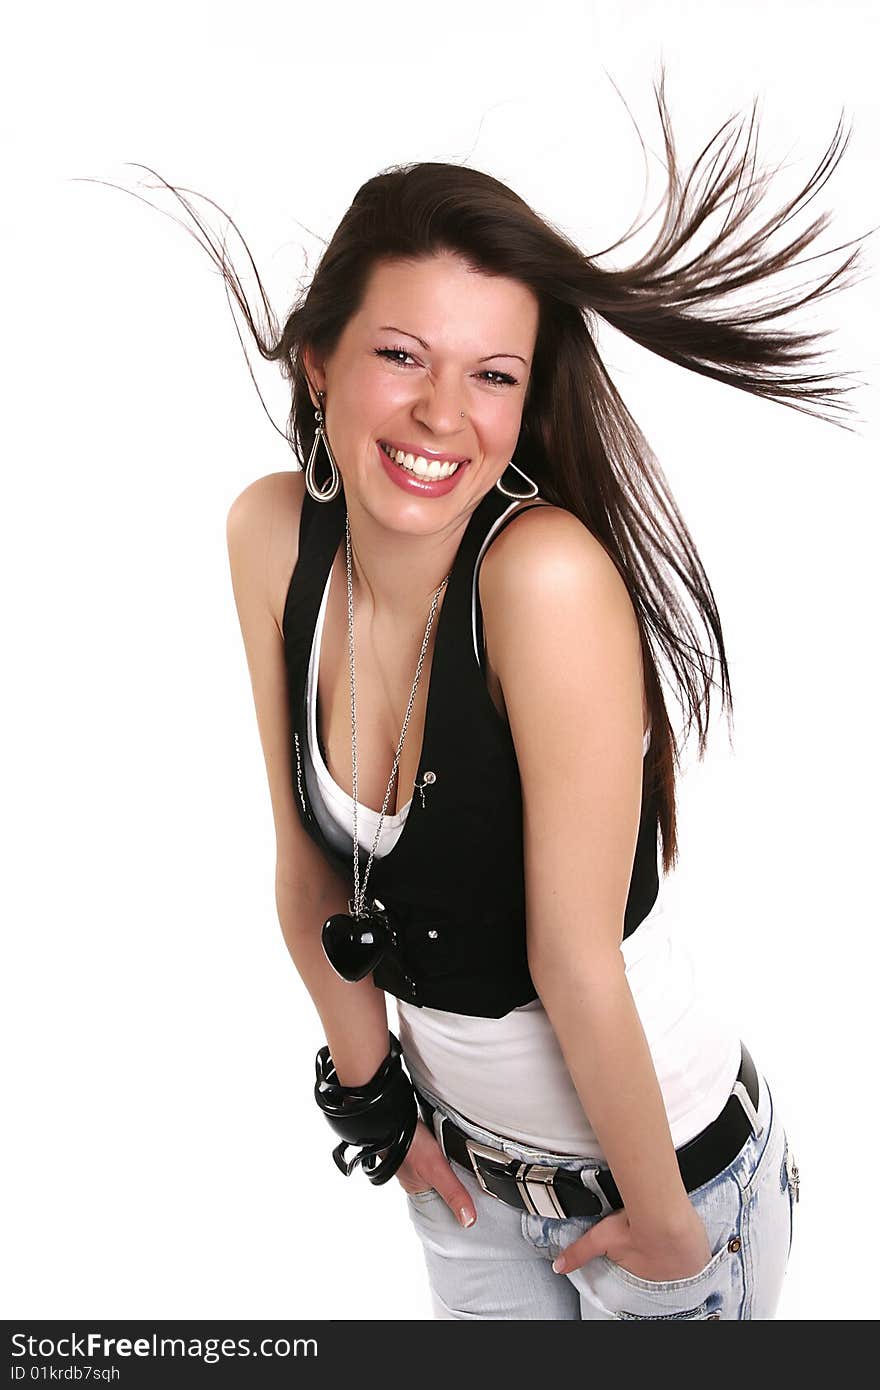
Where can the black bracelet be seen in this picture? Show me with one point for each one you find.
(380, 1114)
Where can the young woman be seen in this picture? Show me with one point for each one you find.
(452, 620)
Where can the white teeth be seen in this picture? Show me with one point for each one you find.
(423, 468)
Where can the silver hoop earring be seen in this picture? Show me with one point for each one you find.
(531, 482)
(327, 493)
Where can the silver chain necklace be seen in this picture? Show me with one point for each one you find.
(360, 893)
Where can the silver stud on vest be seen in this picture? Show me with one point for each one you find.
(427, 780)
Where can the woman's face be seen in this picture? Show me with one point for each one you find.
(431, 340)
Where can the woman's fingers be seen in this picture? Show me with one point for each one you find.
(426, 1165)
(593, 1242)
(681, 1254)
(455, 1194)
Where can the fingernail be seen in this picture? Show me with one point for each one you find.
(467, 1218)
(558, 1265)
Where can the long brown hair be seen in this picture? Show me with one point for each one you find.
(578, 440)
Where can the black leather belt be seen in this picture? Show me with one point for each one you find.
(546, 1190)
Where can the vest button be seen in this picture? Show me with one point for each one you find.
(734, 1244)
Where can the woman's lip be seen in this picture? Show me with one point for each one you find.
(412, 483)
(421, 453)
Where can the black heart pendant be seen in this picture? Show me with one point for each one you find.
(354, 946)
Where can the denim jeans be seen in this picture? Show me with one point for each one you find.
(500, 1267)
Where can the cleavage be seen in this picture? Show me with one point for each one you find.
(383, 683)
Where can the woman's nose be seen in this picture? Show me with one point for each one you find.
(441, 405)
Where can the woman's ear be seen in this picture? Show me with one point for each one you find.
(314, 374)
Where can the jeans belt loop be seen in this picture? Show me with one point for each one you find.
(745, 1101)
(437, 1121)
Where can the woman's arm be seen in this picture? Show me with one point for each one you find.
(262, 538)
(565, 645)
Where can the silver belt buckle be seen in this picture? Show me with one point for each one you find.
(534, 1181)
(484, 1151)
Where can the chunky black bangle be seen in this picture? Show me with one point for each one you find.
(380, 1114)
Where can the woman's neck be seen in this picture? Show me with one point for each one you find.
(395, 576)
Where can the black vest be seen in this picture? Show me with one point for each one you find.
(454, 880)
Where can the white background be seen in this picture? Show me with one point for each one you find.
(164, 1154)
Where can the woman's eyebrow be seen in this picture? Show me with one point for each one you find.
(388, 327)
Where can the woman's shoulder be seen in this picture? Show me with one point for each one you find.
(262, 530)
(533, 535)
(554, 595)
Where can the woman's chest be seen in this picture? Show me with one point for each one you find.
(386, 661)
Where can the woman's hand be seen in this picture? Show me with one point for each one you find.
(425, 1166)
(678, 1253)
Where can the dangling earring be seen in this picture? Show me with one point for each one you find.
(330, 491)
(532, 484)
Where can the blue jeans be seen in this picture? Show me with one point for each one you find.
(500, 1266)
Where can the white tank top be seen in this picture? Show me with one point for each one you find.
(508, 1074)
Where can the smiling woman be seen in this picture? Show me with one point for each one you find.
(432, 669)
(458, 442)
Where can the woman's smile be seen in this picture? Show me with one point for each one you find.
(415, 473)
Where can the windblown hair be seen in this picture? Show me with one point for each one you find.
(578, 440)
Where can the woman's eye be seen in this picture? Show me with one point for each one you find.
(390, 354)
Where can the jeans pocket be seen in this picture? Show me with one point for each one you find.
(715, 1291)
(425, 1195)
(693, 1297)
(653, 1285)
